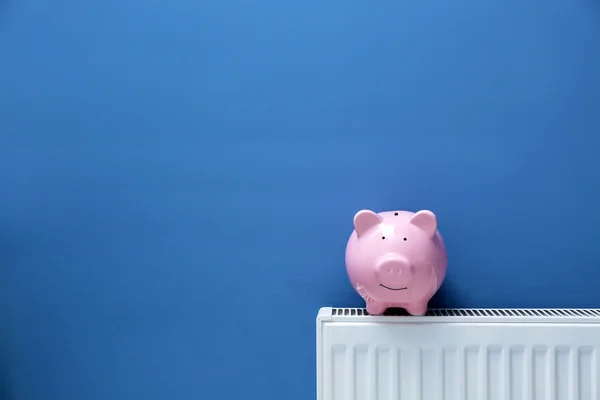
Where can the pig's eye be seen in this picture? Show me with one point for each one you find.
(405, 239)
(383, 237)
(395, 213)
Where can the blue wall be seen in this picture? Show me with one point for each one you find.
(178, 178)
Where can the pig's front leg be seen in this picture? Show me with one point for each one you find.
(376, 308)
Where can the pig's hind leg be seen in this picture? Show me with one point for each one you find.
(416, 308)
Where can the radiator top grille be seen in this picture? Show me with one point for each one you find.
(481, 312)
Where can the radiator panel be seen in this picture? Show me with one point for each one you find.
(428, 358)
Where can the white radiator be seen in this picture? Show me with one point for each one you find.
(459, 354)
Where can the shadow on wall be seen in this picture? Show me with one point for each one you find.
(4, 388)
(5, 261)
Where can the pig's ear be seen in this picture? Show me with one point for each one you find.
(426, 221)
(365, 220)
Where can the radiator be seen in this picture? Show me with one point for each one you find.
(459, 354)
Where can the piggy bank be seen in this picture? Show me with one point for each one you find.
(396, 259)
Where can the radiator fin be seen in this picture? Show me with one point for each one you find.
(338, 367)
(516, 385)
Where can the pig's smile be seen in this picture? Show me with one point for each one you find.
(389, 288)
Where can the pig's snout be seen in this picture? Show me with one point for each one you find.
(394, 272)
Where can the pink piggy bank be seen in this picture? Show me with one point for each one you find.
(396, 259)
